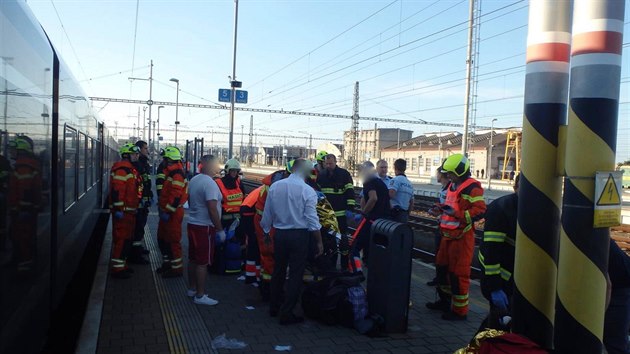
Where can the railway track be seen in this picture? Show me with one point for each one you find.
(424, 226)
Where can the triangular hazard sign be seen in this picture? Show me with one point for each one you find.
(610, 193)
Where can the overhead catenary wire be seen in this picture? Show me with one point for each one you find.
(325, 43)
(74, 52)
(443, 30)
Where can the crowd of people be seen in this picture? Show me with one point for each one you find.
(301, 213)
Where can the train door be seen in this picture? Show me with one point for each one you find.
(100, 164)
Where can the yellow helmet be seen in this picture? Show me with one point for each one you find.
(173, 153)
(457, 164)
(129, 148)
(321, 155)
(24, 143)
(289, 165)
(232, 164)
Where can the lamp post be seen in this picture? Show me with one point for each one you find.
(176, 108)
(233, 84)
(158, 128)
(144, 122)
(488, 173)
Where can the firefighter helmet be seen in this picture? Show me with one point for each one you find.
(172, 153)
(129, 148)
(232, 164)
(289, 165)
(321, 155)
(457, 164)
(24, 143)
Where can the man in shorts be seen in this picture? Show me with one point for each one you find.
(203, 214)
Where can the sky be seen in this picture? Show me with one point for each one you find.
(407, 55)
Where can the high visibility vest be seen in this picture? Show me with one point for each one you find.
(232, 198)
(451, 226)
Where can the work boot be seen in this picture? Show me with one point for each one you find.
(163, 268)
(172, 273)
(440, 305)
(452, 316)
(121, 275)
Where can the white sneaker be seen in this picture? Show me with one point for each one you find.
(205, 300)
(191, 293)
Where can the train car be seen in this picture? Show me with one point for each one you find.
(626, 176)
(54, 158)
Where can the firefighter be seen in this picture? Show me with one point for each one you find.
(124, 199)
(337, 185)
(496, 256)
(159, 174)
(171, 209)
(265, 243)
(144, 169)
(463, 206)
(230, 186)
(228, 254)
(24, 202)
(320, 157)
(252, 262)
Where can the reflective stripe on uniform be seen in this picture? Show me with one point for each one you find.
(340, 213)
(472, 199)
(123, 178)
(493, 236)
(170, 208)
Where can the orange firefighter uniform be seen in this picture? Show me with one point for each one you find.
(457, 228)
(124, 200)
(248, 211)
(24, 201)
(173, 196)
(265, 244)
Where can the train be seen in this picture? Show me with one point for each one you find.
(54, 159)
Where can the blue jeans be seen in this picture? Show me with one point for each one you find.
(617, 322)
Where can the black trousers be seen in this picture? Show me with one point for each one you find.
(141, 221)
(290, 249)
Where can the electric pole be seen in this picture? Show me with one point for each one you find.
(354, 131)
(251, 140)
(469, 63)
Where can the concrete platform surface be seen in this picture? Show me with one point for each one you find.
(149, 314)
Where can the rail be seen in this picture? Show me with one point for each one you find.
(417, 222)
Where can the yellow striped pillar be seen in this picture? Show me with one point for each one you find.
(546, 92)
(591, 145)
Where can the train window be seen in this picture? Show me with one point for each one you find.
(70, 167)
(90, 162)
(82, 164)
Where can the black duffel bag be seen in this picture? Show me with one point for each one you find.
(327, 300)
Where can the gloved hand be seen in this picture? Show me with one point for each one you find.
(119, 215)
(320, 195)
(349, 214)
(221, 236)
(165, 216)
(358, 217)
(499, 299)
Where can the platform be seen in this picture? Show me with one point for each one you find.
(149, 314)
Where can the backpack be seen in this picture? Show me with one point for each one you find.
(327, 300)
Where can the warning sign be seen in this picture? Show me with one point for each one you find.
(607, 199)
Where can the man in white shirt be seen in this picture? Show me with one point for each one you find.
(204, 201)
(290, 209)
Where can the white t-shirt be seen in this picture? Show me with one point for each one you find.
(201, 189)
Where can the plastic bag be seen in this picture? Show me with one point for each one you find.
(220, 342)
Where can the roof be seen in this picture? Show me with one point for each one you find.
(448, 140)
